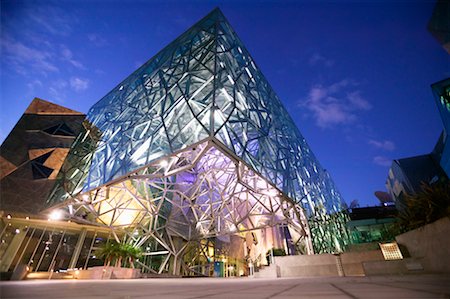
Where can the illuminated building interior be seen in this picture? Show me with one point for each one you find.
(194, 195)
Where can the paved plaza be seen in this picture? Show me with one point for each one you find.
(411, 286)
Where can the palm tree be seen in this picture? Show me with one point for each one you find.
(131, 253)
(108, 252)
(118, 252)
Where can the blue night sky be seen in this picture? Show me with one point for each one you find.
(355, 76)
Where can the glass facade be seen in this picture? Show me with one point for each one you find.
(46, 246)
(196, 144)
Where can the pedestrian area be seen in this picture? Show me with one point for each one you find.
(410, 286)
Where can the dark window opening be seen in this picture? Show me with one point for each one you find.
(60, 130)
(38, 169)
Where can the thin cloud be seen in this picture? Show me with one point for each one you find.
(67, 56)
(382, 144)
(26, 43)
(335, 104)
(382, 161)
(358, 101)
(23, 58)
(33, 85)
(99, 72)
(52, 19)
(57, 90)
(97, 40)
(79, 84)
(318, 59)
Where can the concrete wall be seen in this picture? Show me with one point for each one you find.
(385, 268)
(397, 267)
(352, 262)
(430, 245)
(325, 264)
(307, 265)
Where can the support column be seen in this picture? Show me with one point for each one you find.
(176, 264)
(12, 250)
(77, 250)
(178, 246)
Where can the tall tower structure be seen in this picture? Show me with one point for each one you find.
(195, 145)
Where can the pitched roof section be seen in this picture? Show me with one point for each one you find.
(42, 107)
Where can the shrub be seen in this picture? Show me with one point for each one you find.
(426, 206)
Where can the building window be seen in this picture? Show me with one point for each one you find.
(38, 169)
(60, 130)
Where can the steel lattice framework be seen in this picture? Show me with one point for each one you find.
(194, 144)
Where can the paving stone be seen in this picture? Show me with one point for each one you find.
(396, 287)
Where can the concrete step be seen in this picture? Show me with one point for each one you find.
(271, 271)
(48, 275)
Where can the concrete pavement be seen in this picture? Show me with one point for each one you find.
(410, 286)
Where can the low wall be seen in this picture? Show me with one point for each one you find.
(385, 268)
(430, 244)
(352, 262)
(307, 265)
(106, 273)
(396, 267)
(326, 264)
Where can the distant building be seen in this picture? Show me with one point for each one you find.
(441, 91)
(439, 24)
(33, 153)
(439, 27)
(371, 224)
(407, 175)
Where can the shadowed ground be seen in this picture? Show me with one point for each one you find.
(411, 286)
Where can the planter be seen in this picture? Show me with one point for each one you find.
(102, 272)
